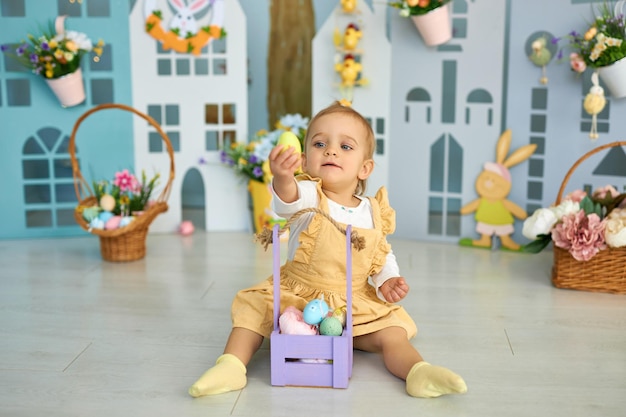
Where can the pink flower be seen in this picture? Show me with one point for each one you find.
(582, 235)
(125, 181)
(576, 196)
(577, 63)
(606, 191)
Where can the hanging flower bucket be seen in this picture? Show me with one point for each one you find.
(614, 77)
(262, 214)
(435, 26)
(69, 88)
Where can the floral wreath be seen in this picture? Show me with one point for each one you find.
(190, 44)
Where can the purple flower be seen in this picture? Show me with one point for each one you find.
(4, 47)
(45, 46)
(34, 58)
(253, 159)
(21, 49)
(257, 172)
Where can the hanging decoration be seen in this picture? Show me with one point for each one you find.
(184, 34)
(348, 55)
(594, 104)
(541, 56)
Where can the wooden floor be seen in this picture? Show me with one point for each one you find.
(83, 337)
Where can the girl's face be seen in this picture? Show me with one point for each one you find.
(336, 152)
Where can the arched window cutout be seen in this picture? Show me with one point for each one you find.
(613, 164)
(32, 147)
(418, 94)
(479, 96)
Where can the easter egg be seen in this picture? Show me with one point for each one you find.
(126, 220)
(315, 311)
(105, 216)
(96, 224)
(331, 326)
(90, 213)
(186, 228)
(289, 140)
(113, 223)
(340, 314)
(107, 202)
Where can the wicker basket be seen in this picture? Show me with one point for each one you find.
(605, 272)
(127, 243)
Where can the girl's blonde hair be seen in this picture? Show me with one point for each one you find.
(336, 107)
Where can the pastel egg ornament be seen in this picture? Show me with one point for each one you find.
(315, 311)
(113, 223)
(331, 326)
(289, 140)
(107, 202)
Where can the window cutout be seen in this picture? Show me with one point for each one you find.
(201, 66)
(453, 217)
(540, 142)
(35, 169)
(219, 66)
(534, 190)
(103, 62)
(65, 217)
(171, 115)
(63, 147)
(537, 123)
(380, 126)
(12, 8)
(380, 147)
(18, 93)
(65, 193)
(154, 111)
(437, 164)
(37, 194)
(539, 99)
(38, 218)
(535, 167)
(174, 140)
(49, 136)
(211, 141)
(164, 66)
(219, 46)
(229, 113)
(102, 91)
(459, 28)
(69, 8)
(63, 168)
(183, 67)
(211, 114)
(230, 137)
(100, 8)
(435, 215)
(455, 166)
(32, 147)
(155, 142)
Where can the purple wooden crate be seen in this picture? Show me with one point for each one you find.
(288, 351)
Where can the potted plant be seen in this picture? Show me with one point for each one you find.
(431, 18)
(601, 47)
(55, 54)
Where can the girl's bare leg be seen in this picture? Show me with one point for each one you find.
(404, 361)
(229, 372)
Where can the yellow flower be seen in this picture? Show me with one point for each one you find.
(53, 44)
(262, 132)
(124, 200)
(58, 54)
(242, 161)
(68, 56)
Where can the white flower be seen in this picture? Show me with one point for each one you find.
(565, 208)
(540, 223)
(615, 232)
(264, 147)
(79, 38)
(294, 122)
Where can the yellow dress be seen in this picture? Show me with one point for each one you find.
(318, 267)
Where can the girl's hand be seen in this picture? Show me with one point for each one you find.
(394, 289)
(284, 164)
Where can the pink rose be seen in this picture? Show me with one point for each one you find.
(577, 63)
(606, 191)
(576, 196)
(582, 235)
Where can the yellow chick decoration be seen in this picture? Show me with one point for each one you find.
(348, 6)
(351, 37)
(540, 56)
(349, 70)
(594, 104)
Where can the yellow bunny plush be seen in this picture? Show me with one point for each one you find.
(494, 213)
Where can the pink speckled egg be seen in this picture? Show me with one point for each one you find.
(113, 223)
(186, 228)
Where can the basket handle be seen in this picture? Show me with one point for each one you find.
(580, 161)
(81, 186)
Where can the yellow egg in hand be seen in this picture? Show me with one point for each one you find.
(289, 140)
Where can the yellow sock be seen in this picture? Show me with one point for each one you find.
(228, 374)
(428, 381)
